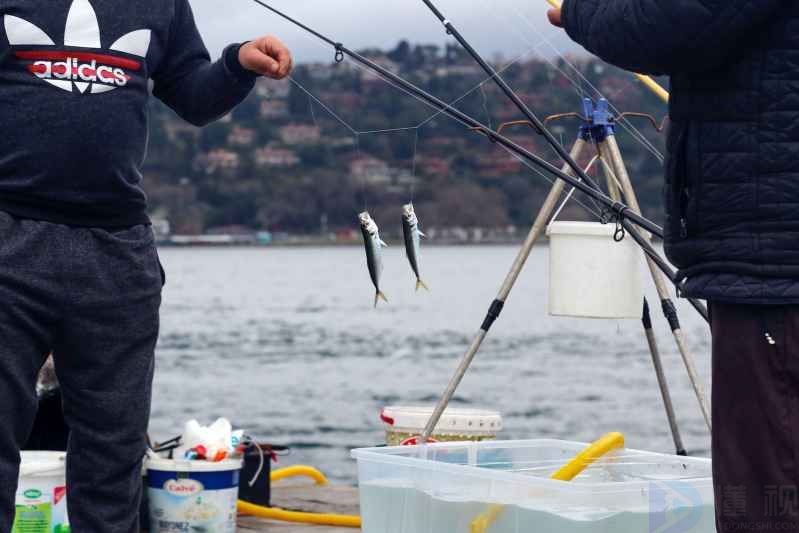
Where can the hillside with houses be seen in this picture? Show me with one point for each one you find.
(302, 157)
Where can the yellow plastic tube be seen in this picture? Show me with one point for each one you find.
(298, 471)
(600, 448)
(273, 513)
(648, 82)
(281, 515)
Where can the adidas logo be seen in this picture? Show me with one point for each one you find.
(81, 63)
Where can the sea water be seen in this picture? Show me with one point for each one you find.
(393, 506)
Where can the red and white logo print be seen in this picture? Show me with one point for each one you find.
(90, 68)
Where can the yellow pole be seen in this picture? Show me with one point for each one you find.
(600, 448)
(648, 82)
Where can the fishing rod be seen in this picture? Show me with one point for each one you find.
(618, 212)
(561, 151)
(607, 140)
(550, 139)
(615, 211)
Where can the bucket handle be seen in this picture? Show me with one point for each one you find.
(568, 196)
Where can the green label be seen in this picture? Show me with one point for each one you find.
(33, 518)
(33, 494)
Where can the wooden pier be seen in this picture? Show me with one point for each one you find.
(336, 499)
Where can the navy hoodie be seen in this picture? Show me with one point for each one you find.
(74, 88)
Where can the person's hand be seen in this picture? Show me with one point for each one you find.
(554, 17)
(266, 56)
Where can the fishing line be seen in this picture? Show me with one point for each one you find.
(576, 83)
(485, 106)
(479, 85)
(596, 210)
(626, 124)
(323, 105)
(413, 162)
(571, 192)
(363, 178)
(627, 217)
(559, 53)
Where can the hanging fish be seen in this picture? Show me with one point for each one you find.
(410, 228)
(374, 245)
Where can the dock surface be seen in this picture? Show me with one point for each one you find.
(335, 499)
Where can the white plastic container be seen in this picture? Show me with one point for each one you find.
(591, 275)
(404, 424)
(192, 495)
(41, 502)
(444, 487)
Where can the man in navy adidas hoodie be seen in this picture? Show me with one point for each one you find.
(79, 273)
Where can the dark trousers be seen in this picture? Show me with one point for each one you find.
(90, 296)
(756, 417)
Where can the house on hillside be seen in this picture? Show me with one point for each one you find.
(299, 134)
(275, 109)
(272, 89)
(270, 156)
(239, 136)
(370, 78)
(370, 170)
(218, 160)
(497, 165)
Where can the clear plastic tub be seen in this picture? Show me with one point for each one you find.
(444, 487)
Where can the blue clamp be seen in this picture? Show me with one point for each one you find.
(599, 123)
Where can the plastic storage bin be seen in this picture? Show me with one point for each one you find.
(444, 487)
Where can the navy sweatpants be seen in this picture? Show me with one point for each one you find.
(90, 296)
(756, 417)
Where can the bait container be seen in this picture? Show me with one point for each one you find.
(590, 274)
(192, 495)
(404, 424)
(41, 498)
(504, 487)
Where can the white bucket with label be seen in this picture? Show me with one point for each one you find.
(404, 425)
(590, 274)
(192, 495)
(41, 498)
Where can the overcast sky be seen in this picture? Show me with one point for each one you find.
(509, 27)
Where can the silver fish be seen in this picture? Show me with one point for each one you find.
(374, 246)
(410, 229)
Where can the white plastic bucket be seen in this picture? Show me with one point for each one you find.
(192, 495)
(404, 424)
(41, 502)
(590, 274)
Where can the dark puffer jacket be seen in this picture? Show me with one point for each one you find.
(732, 174)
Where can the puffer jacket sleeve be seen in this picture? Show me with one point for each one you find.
(666, 36)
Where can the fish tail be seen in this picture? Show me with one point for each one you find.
(380, 296)
(421, 284)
